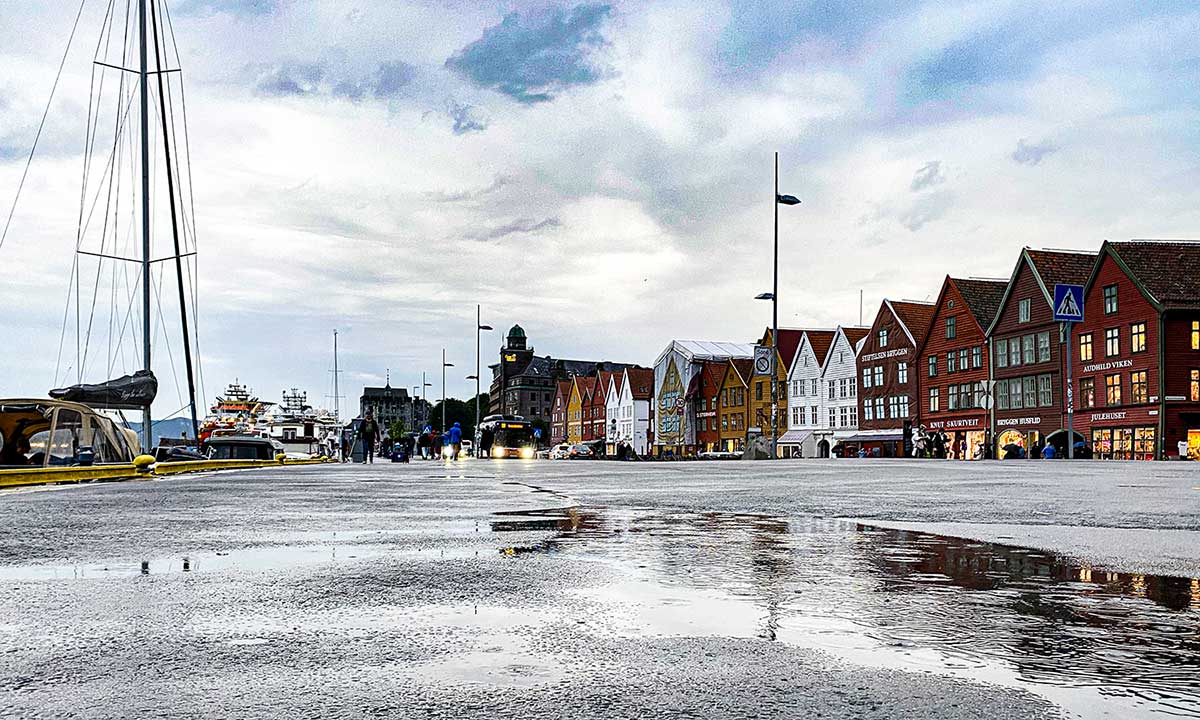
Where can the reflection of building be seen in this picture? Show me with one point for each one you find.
(675, 371)
(389, 404)
(524, 383)
(1027, 351)
(887, 390)
(760, 401)
(1137, 359)
(953, 364)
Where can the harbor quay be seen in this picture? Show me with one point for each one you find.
(480, 588)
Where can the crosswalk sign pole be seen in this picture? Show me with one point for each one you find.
(1070, 397)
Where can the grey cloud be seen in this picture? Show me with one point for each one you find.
(467, 118)
(233, 7)
(926, 209)
(521, 226)
(386, 81)
(1027, 154)
(461, 195)
(532, 57)
(928, 175)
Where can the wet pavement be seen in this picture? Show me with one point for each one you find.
(488, 589)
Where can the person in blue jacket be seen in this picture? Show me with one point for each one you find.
(454, 439)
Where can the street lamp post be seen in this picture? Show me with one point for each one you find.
(444, 366)
(773, 296)
(479, 327)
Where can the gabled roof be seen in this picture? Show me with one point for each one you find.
(1050, 268)
(604, 379)
(743, 367)
(854, 335)
(982, 298)
(787, 344)
(563, 388)
(713, 372)
(821, 341)
(914, 317)
(1166, 271)
(695, 350)
(641, 382)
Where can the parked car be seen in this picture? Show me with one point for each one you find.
(581, 452)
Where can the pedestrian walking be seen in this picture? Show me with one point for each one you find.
(454, 438)
(368, 431)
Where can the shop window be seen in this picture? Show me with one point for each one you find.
(1194, 391)
(1110, 299)
(1139, 389)
(1028, 353)
(1087, 392)
(1112, 389)
(951, 328)
(1023, 310)
(932, 366)
(1196, 334)
(977, 356)
(1137, 337)
(1043, 347)
(902, 373)
(1143, 443)
(1001, 394)
(883, 338)
(1112, 342)
(934, 401)
(1045, 390)
(951, 362)
(1001, 353)
(1085, 347)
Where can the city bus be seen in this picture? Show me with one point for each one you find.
(506, 436)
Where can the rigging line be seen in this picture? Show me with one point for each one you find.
(166, 338)
(62, 337)
(96, 200)
(41, 125)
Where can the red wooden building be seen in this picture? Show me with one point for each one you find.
(1028, 358)
(591, 400)
(887, 390)
(1137, 360)
(953, 364)
(710, 377)
(558, 412)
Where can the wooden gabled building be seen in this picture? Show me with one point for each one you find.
(888, 384)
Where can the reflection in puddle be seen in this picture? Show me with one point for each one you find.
(1084, 637)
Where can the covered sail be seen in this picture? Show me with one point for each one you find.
(129, 392)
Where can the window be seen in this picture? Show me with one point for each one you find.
(795, 416)
(1043, 346)
(1031, 391)
(853, 416)
(952, 397)
(1001, 394)
(977, 356)
(1110, 299)
(893, 406)
(951, 328)
(1015, 398)
(903, 406)
(812, 415)
(1087, 393)
(1112, 389)
(813, 388)
(933, 366)
(1195, 386)
(934, 401)
(979, 393)
(798, 388)
(1023, 310)
(1001, 353)
(867, 413)
(843, 388)
(879, 408)
(853, 386)
(832, 417)
(843, 416)
(866, 377)
(1085, 346)
(1139, 391)
(902, 373)
(1045, 390)
(1014, 352)
(1196, 334)
(951, 362)
(758, 390)
(966, 394)
(883, 337)
(962, 359)
(1112, 342)
(1027, 350)
(832, 389)
(1137, 337)
(878, 376)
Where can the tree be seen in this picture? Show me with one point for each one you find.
(396, 429)
(457, 411)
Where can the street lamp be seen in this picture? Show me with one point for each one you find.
(479, 327)
(773, 296)
(444, 366)
(424, 384)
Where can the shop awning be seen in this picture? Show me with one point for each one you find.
(794, 437)
(875, 437)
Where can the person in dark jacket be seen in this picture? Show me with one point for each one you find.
(368, 433)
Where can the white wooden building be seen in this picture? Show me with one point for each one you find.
(822, 392)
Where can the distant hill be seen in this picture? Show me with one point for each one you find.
(171, 427)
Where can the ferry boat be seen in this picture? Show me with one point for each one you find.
(235, 410)
(302, 430)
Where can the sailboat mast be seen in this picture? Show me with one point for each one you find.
(183, 317)
(145, 117)
(336, 399)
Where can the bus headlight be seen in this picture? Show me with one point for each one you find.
(527, 453)
(497, 452)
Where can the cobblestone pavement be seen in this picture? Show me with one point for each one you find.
(873, 589)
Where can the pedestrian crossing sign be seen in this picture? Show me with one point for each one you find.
(1068, 303)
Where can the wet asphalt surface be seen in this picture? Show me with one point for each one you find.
(856, 589)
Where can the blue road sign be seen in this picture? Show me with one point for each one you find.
(1068, 303)
(537, 433)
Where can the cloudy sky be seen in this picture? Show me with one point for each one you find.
(598, 172)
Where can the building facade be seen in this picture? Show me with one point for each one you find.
(388, 404)
(673, 413)
(558, 414)
(805, 397)
(733, 404)
(1027, 353)
(888, 383)
(760, 401)
(1137, 362)
(839, 379)
(953, 363)
(706, 404)
(633, 413)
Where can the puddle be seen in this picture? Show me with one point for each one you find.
(1090, 640)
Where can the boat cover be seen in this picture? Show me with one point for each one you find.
(129, 392)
